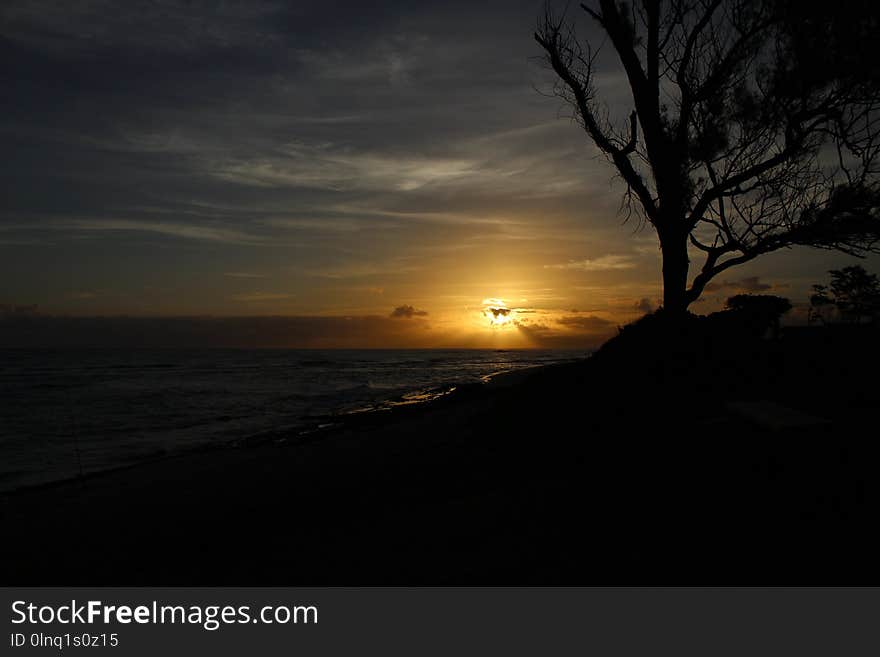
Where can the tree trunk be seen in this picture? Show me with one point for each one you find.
(675, 273)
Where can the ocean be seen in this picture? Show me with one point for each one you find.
(71, 412)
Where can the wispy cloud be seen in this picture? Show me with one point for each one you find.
(602, 263)
(330, 167)
(589, 323)
(244, 274)
(396, 266)
(185, 230)
(256, 297)
(749, 284)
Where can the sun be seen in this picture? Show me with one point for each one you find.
(499, 316)
(497, 312)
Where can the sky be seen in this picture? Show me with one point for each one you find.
(364, 174)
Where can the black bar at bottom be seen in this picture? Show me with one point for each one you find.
(441, 621)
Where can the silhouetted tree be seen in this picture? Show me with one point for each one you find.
(853, 291)
(755, 124)
(766, 304)
(762, 311)
(819, 301)
(856, 293)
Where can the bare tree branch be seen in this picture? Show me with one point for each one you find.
(756, 122)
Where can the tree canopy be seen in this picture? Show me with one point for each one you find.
(853, 292)
(753, 124)
(765, 304)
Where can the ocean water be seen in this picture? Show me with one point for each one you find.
(66, 412)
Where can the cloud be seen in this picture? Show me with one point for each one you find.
(534, 329)
(243, 274)
(750, 284)
(395, 265)
(498, 312)
(588, 323)
(332, 167)
(545, 336)
(175, 229)
(495, 308)
(602, 263)
(258, 297)
(407, 312)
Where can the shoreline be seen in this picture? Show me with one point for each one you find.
(313, 429)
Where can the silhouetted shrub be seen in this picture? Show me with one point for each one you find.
(758, 313)
(723, 351)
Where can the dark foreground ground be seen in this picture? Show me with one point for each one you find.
(756, 467)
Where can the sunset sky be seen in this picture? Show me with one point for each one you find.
(379, 175)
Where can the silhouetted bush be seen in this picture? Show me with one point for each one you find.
(721, 351)
(758, 313)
